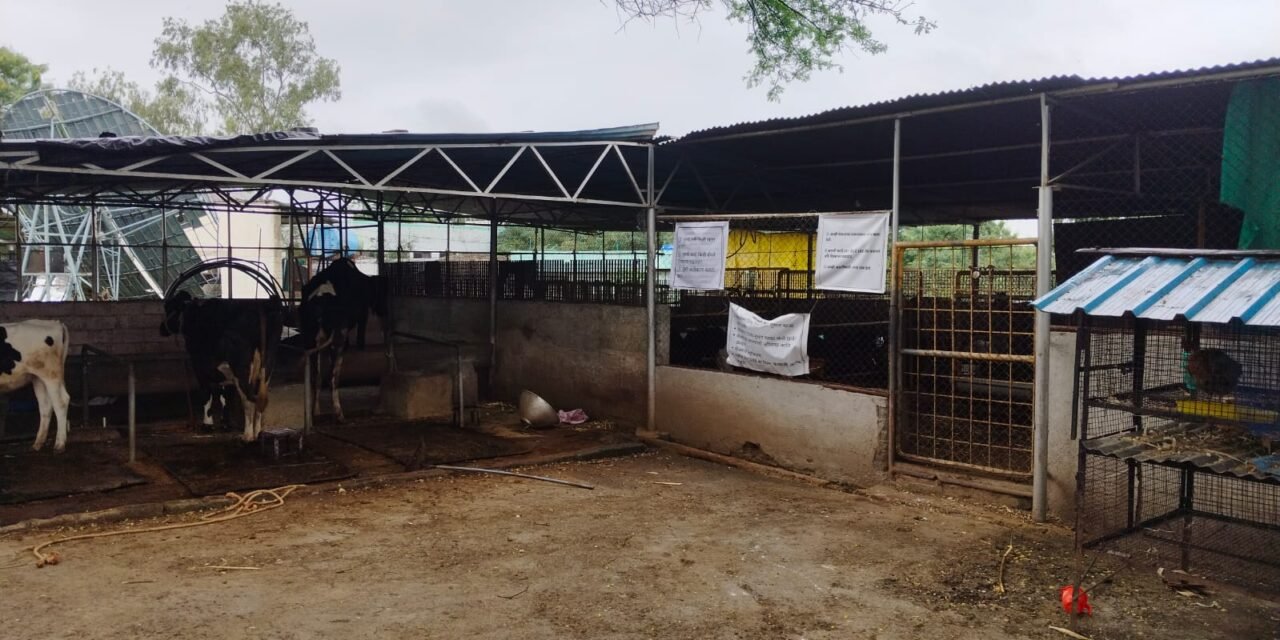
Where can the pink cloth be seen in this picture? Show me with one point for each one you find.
(576, 416)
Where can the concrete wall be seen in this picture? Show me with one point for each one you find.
(127, 328)
(831, 433)
(584, 356)
(1062, 449)
(124, 328)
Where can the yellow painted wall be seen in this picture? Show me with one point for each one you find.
(767, 250)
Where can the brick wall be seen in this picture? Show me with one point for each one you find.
(120, 328)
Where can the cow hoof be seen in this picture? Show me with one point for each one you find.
(59, 450)
(37, 447)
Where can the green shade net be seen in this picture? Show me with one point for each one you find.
(1251, 161)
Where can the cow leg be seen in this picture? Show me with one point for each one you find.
(56, 390)
(333, 384)
(207, 417)
(46, 407)
(246, 405)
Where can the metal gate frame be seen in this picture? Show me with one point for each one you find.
(897, 352)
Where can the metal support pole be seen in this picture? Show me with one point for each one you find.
(84, 388)
(493, 293)
(1044, 248)
(96, 245)
(650, 300)
(133, 416)
(307, 402)
(462, 398)
(894, 365)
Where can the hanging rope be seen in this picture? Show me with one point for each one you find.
(244, 505)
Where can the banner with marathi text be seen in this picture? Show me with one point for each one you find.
(779, 346)
(851, 252)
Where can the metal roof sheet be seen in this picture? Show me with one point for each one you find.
(992, 91)
(1161, 287)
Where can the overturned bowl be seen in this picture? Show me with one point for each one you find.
(536, 412)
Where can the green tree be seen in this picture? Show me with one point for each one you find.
(173, 109)
(18, 76)
(790, 39)
(257, 64)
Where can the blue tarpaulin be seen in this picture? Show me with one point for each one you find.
(326, 241)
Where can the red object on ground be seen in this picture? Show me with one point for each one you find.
(1082, 605)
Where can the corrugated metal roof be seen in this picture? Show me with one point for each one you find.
(993, 91)
(1198, 288)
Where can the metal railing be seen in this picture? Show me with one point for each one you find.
(87, 352)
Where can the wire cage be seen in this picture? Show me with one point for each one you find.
(1178, 426)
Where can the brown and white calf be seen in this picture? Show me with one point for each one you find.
(34, 352)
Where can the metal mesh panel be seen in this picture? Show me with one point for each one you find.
(967, 355)
(769, 271)
(1175, 453)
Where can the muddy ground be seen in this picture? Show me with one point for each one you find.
(716, 553)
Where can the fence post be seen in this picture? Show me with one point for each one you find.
(1044, 247)
(307, 406)
(133, 416)
(651, 248)
(895, 258)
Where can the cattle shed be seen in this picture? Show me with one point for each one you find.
(949, 377)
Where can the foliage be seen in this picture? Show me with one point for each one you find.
(18, 76)
(524, 239)
(1016, 257)
(173, 109)
(790, 39)
(257, 64)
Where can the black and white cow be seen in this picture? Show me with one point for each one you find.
(34, 352)
(335, 301)
(232, 348)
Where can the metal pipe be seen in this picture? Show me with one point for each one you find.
(894, 302)
(462, 398)
(1044, 248)
(133, 416)
(493, 293)
(650, 302)
(981, 242)
(307, 406)
(967, 355)
(580, 485)
(750, 216)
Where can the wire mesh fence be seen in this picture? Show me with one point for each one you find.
(1189, 174)
(968, 362)
(769, 271)
(1177, 424)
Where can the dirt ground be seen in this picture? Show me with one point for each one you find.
(663, 547)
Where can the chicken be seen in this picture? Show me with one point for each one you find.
(1214, 372)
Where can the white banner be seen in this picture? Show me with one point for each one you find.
(698, 260)
(851, 252)
(778, 346)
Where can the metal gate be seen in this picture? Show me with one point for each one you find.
(963, 354)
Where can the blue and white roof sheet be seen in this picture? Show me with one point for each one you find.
(1199, 289)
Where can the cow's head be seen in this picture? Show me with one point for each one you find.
(172, 323)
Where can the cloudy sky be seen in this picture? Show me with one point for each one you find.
(505, 65)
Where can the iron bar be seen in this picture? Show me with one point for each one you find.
(968, 355)
(650, 299)
(1044, 255)
(580, 485)
(133, 416)
(895, 303)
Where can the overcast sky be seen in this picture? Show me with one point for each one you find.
(509, 65)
